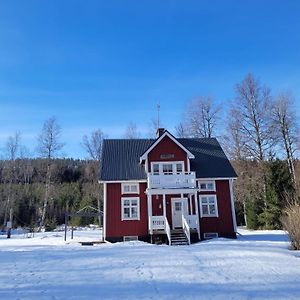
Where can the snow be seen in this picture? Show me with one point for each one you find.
(258, 265)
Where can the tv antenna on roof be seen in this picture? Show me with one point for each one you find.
(158, 109)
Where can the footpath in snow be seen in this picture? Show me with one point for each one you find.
(258, 265)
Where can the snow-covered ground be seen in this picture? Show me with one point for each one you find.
(258, 265)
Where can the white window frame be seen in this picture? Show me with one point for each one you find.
(130, 184)
(206, 182)
(123, 218)
(174, 167)
(130, 238)
(210, 235)
(209, 215)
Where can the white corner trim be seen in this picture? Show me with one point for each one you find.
(232, 206)
(166, 133)
(104, 208)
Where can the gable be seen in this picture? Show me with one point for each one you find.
(167, 150)
(158, 141)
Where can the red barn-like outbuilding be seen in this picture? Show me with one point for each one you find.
(173, 190)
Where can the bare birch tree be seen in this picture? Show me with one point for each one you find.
(181, 131)
(131, 131)
(48, 147)
(93, 144)
(12, 148)
(201, 118)
(286, 124)
(253, 104)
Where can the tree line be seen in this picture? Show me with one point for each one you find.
(257, 129)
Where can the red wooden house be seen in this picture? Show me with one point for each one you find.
(174, 190)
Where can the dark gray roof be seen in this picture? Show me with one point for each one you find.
(121, 159)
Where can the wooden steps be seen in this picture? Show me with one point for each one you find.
(178, 237)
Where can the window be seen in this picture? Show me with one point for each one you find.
(210, 235)
(208, 204)
(167, 169)
(178, 206)
(155, 169)
(178, 168)
(130, 238)
(130, 188)
(207, 186)
(130, 208)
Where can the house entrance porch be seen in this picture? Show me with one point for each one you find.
(173, 209)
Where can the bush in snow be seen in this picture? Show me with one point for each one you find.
(291, 223)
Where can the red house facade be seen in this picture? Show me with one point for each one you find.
(169, 190)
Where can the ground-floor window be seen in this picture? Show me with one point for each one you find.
(208, 205)
(130, 208)
(210, 235)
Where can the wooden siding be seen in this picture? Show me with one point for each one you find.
(222, 224)
(115, 227)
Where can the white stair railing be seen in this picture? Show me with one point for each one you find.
(186, 229)
(168, 230)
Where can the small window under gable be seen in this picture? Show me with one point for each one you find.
(130, 188)
(207, 185)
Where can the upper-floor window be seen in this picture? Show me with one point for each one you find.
(167, 168)
(130, 188)
(155, 169)
(207, 186)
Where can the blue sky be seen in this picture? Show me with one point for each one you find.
(103, 64)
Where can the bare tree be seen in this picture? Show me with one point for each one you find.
(232, 140)
(131, 131)
(12, 148)
(201, 117)
(181, 131)
(49, 146)
(93, 144)
(253, 105)
(286, 124)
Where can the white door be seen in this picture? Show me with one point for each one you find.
(178, 208)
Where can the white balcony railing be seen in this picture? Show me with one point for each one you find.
(186, 228)
(157, 222)
(182, 180)
(192, 221)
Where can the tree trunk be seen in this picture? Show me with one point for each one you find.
(46, 197)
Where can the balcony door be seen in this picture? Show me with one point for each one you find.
(179, 207)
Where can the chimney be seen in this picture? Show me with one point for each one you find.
(159, 132)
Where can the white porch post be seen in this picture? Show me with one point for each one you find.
(164, 205)
(183, 206)
(149, 201)
(198, 217)
(190, 201)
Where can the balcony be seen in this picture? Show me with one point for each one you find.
(172, 181)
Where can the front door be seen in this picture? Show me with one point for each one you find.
(178, 208)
